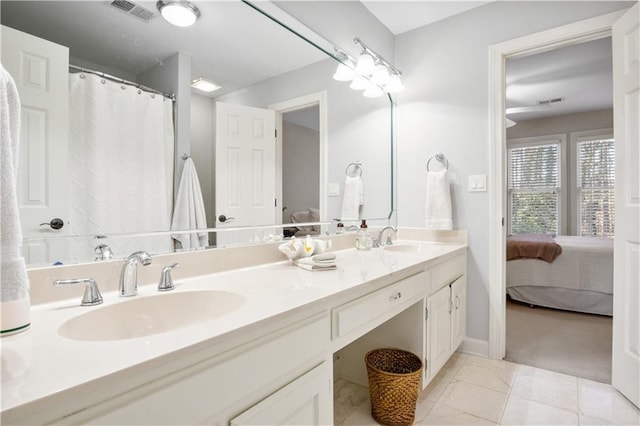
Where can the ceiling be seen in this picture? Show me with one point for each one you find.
(402, 16)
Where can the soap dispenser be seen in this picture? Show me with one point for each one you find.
(363, 238)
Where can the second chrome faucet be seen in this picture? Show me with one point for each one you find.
(129, 275)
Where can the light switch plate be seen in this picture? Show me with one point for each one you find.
(333, 189)
(478, 183)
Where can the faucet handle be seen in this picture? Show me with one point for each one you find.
(92, 294)
(166, 282)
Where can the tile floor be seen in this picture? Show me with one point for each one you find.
(477, 391)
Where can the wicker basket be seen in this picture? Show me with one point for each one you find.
(394, 383)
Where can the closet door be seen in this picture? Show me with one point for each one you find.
(40, 69)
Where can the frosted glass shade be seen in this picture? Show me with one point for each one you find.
(344, 73)
(365, 64)
(380, 75)
(394, 85)
(373, 91)
(360, 83)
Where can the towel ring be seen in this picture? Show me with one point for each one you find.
(357, 166)
(441, 158)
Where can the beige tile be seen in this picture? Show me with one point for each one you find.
(549, 392)
(423, 408)
(456, 361)
(360, 416)
(601, 401)
(524, 412)
(592, 421)
(474, 400)
(496, 378)
(347, 397)
(491, 363)
(525, 370)
(434, 389)
(442, 414)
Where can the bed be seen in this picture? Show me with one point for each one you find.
(579, 279)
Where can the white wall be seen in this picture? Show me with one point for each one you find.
(300, 170)
(444, 107)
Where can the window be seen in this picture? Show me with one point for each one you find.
(596, 177)
(534, 188)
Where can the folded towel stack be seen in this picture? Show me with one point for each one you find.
(319, 262)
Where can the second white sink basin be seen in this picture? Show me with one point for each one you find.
(146, 316)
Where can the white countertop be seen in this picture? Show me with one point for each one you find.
(39, 363)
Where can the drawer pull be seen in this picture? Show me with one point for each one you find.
(396, 296)
(457, 302)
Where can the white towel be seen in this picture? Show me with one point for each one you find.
(320, 262)
(14, 288)
(189, 212)
(438, 201)
(352, 198)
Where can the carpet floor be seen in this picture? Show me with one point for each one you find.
(565, 342)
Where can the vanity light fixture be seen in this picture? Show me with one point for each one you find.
(204, 85)
(178, 13)
(371, 72)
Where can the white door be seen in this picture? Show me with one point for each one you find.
(41, 72)
(626, 284)
(439, 329)
(245, 170)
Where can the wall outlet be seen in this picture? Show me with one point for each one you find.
(333, 189)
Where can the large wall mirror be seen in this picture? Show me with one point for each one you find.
(115, 172)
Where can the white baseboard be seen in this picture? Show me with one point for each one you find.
(475, 347)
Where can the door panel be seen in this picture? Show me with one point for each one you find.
(41, 72)
(626, 295)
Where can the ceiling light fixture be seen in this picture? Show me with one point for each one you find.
(371, 72)
(178, 13)
(204, 85)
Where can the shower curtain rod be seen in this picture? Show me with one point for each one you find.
(123, 81)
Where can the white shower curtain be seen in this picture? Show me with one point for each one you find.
(121, 150)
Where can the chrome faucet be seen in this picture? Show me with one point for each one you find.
(104, 252)
(388, 241)
(92, 294)
(129, 276)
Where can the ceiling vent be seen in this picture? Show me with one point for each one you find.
(132, 9)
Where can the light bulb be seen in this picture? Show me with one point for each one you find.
(344, 73)
(373, 91)
(394, 85)
(360, 83)
(365, 64)
(380, 75)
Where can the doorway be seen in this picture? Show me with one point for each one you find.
(301, 159)
(560, 147)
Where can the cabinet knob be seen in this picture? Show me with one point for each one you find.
(396, 296)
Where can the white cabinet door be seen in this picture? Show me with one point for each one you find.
(41, 72)
(439, 329)
(458, 312)
(305, 401)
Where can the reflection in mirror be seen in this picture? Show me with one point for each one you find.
(323, 126)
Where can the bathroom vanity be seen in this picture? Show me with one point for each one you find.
(268, 356)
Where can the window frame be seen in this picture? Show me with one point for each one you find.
(574, 193)
(559, 139)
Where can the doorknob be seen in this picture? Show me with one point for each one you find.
(222, 218)
(55, 223)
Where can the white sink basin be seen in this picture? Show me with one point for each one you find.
(145, 316)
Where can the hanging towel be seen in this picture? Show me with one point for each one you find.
(438, 201)
(14, 288)
(189, 212)
(352, 198)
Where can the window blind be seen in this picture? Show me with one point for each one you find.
(596, 180)
(534, 188)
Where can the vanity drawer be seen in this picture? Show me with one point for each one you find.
(447, 272)
(375, 308)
